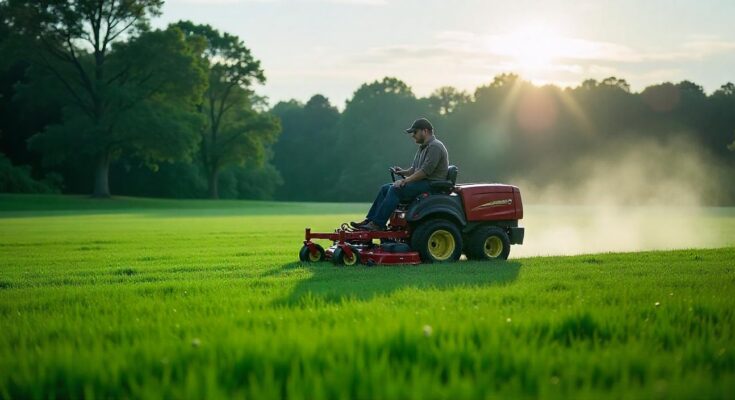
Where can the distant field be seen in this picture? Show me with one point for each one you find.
(200, 299)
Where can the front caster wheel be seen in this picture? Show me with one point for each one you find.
(305, 255)
(340, 258)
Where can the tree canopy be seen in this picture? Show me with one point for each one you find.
(125, 89)
(236, 131)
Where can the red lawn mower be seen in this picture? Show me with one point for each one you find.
(479, 220)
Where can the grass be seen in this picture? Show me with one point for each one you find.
(198, 299)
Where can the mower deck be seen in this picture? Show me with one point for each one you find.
(360, 243)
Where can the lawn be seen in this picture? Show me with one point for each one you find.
(199, 299)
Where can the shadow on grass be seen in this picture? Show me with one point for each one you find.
(333, 284)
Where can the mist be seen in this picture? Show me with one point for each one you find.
(628, 196)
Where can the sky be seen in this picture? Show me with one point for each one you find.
(331, 47)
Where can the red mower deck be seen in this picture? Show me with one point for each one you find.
(361, 243)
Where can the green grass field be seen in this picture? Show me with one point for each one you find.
(199, 299)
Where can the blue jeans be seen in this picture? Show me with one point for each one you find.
(389, 197)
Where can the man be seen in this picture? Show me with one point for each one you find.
(430, 163)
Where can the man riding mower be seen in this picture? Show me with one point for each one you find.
(426, 216)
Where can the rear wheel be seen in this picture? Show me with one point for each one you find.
(488, 243)
(305, 254)
(437, 240)
(340, 258)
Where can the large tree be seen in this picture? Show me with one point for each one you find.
(126, 89)
(237, 130)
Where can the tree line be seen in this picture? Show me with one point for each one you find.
(93, 100)
(508, 130)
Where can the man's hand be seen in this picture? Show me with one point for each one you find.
(399, 183)
(398, 171)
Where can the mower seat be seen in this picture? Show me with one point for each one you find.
(446, 186)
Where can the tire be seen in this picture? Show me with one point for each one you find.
(437, 240)
(306, 256)
(339, 257)
(488, 243)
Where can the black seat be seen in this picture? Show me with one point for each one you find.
(446, 186)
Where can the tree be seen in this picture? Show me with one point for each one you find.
(721, 116)
(127, 89)
(235, 130)
(446, 99)
(17, 179)
(727, 89)
(505, 80)
(589, 84)
(691, 88)
(308, 130)
(614, 82)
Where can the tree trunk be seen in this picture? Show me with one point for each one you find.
(213, 187)
(101, 177)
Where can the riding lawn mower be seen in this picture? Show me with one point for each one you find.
(477, 219)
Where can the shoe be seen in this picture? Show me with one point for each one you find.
(359, 225)
(372, 226)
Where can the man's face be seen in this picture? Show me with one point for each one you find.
(419, 136)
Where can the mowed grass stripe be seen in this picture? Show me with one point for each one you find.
(152, 303)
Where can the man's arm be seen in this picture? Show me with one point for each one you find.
(403, 172)
(431, 161)
(409, 171)
(416, 176)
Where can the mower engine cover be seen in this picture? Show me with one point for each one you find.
(491, 202)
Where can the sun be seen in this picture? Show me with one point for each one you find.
(532, 48)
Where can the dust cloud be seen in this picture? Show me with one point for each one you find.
(647, 195)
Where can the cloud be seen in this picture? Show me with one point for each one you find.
(363, 2)
(702, 47)
(465, 46)
(218, 2)
(465, 59)
(516, 43)
(230, 2)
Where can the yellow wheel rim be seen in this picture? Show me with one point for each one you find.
(350, 260)
(493, 246)
(315, 257)
(441, 245)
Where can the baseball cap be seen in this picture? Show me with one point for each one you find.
(421, 123)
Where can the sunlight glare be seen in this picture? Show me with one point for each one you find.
(536, 47)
